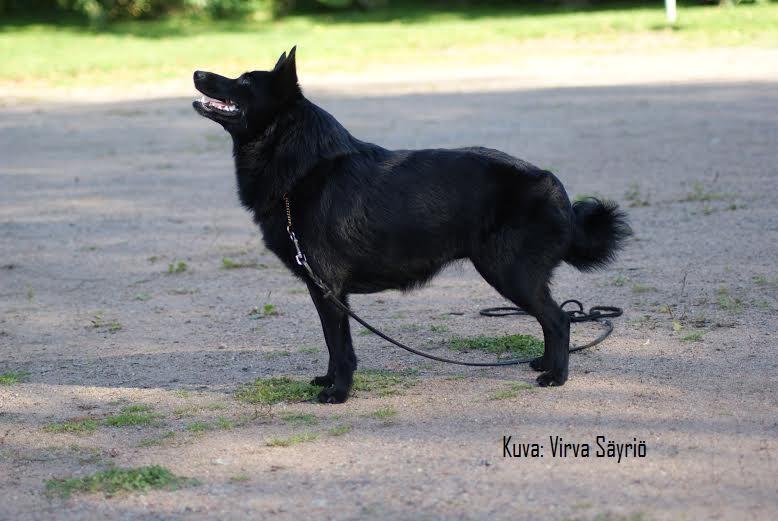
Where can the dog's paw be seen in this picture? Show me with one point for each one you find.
(551, 379)
(537, 364)
(323, 381)
(333, 394)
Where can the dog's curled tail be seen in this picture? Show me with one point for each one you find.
(599, 230)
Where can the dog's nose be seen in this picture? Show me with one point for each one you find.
(199, 75)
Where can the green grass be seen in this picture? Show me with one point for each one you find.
(299, 418)
(229, 264)
(512, 391)
(634, 197)
(383, 414)
(120, 480)
(292, 440)
(75, 426)
(382, 382)
(267, 391)
(198, 427)
(700, 193)
(112, 326)
(268, 310)
(133, 415)
(339, 430)
(13, 377)
(150, 51)
(176, 267)
(642, 288)
(517, 345)
(694, 336)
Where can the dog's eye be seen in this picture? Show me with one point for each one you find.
(245, 81)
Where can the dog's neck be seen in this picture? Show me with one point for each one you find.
(271, 164)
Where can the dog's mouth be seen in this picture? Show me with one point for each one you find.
(223, 107)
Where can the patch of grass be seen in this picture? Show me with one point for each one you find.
(634, 197)
(364, 332)
(119, 480)
(268, 391)
(759, 280)
(182, 393)
(728, 303)
(292, 440)
(299, 418)
(512, 391)
(383, 414)
(308, 350)
(522, 345)
(13, 377)
(382, 382)
(239, 478)
(700, 193)
(216, 406)
(74, 426)
(183, 291)
(641, 288)
(198, 427)
(111, 326)
(136, 408)
(133, 415)
(439, 329)
(619, 280)
(143, 297)
(185, 412)
(339, 430)
(176, 267)
(229, 264)
(694, 336)
(73, 54)
(268, 310)
(224, 424)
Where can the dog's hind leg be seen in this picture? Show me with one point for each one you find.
(528, 289)
(337, 334)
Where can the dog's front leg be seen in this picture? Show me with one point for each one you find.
(340, 370)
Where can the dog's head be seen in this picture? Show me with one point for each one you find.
(246, 105)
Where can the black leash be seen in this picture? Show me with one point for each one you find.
(596, 314)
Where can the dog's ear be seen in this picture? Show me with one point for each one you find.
(286, 70)
(280, 61)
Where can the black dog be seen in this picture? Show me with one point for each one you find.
(371, 219)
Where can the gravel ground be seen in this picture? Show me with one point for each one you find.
(99, 199)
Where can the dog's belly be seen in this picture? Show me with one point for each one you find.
(404, 276)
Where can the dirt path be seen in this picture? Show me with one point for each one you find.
(98, 200)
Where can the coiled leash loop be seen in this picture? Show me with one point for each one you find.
(598, 314)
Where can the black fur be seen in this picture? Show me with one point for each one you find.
(371, 219)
